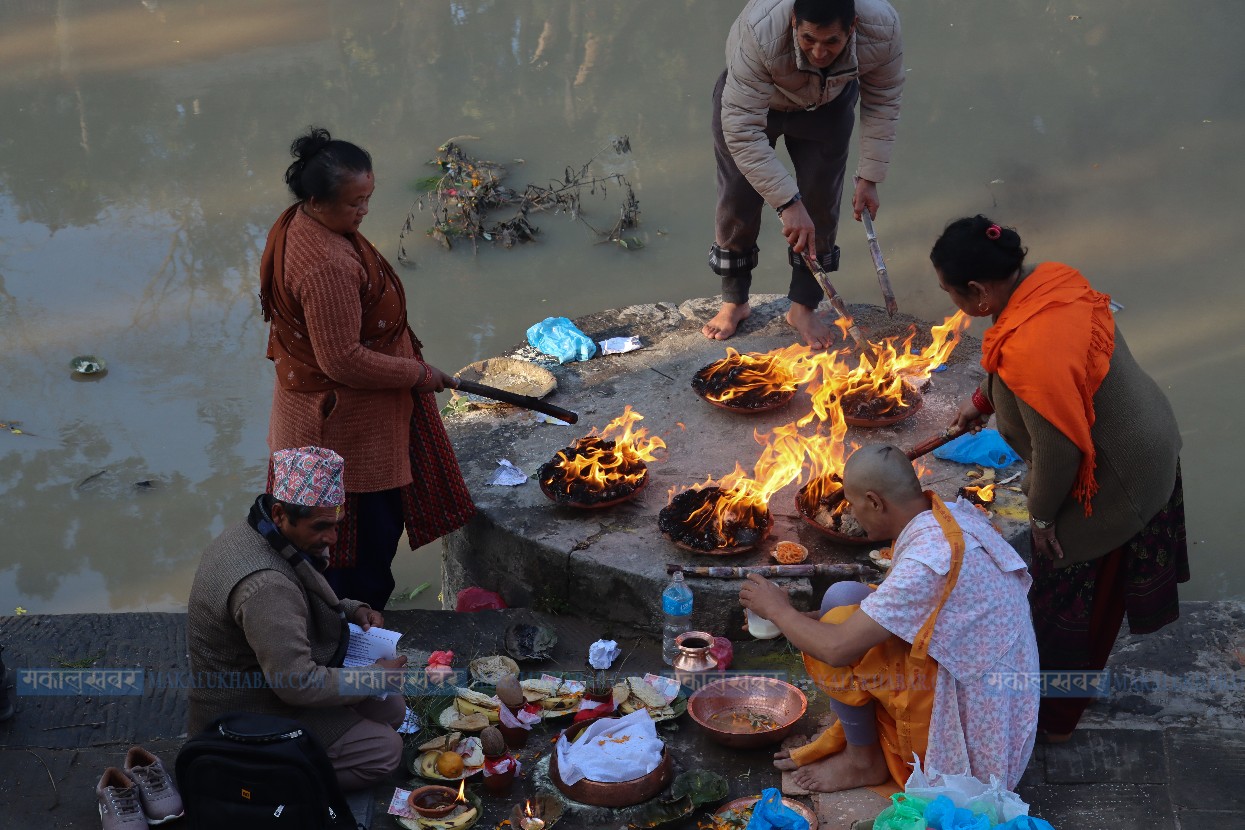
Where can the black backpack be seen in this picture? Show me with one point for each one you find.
(248, 771)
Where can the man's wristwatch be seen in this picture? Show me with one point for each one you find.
(1041, 524)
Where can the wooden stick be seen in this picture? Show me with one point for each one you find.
(848, 571)
(521, 401)
(836, 301)
(930, 444)
(884, 280)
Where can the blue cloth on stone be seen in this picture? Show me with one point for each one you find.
(986, 448)
(558, 336)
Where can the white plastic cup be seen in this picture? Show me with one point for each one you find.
(760, 627)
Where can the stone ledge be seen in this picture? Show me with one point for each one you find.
(533, 552)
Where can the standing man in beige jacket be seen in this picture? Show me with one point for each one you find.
(796, 68)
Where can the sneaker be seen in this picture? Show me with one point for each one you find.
(159, 797)
(117, 797)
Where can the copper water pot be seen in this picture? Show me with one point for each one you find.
(693, 657)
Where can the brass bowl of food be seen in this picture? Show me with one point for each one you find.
(747, 712)
(615, 794)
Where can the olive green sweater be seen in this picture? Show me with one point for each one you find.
(1137, 446)
(250, 613)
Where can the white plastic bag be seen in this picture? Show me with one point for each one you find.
(993, 799)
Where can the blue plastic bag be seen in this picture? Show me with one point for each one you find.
(986, 448)
(941, 814)
(1026, 823)
(771, 814)
(558, 336)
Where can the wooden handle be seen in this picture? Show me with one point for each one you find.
(522, 401)
(930, 444)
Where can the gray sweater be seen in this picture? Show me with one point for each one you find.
(1137, 445)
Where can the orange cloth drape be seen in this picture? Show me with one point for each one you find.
(1052, 346)
(899, 676)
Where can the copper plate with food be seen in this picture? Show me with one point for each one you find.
(735, 815)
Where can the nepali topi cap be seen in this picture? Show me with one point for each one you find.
(310, 476)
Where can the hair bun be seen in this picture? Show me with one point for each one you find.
(306, 146)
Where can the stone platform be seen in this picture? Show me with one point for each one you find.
(610, 564)
(1163, 752)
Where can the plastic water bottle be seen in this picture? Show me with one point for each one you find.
(676, 603)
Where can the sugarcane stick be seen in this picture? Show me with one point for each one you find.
(884, 280)
(840, 307)
(847, 571)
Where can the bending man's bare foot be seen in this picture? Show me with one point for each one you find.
(815, 334)
(855, 766)
(782, 760)
(726, 321)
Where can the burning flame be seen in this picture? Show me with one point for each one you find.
(884, 375)
(531, 820)
(984, 495)
(742, 498)
(462, 791)
(758, 375)
(601, 467)
(826, 454)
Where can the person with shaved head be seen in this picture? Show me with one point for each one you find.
(940, 660)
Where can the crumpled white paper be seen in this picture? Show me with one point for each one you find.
(507, 475)
(620, 345)
(603, 653)
(611, 750)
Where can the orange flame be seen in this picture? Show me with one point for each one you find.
(984, 495)
(462, 791)
(758, 375)
(894, 366)
(602, 467)
(743, 499)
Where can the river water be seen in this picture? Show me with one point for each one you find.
(141, 152)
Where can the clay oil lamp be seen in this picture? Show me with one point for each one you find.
(434, 801)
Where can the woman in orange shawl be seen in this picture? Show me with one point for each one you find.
(1105, 501)
(350, 375)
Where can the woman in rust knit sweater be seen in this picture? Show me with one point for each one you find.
(1105, 501)
(349, 372)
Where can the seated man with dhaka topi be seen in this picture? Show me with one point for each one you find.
(939, 661)
(262, 616)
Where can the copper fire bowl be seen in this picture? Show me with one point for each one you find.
(763, 695)
(615, 794)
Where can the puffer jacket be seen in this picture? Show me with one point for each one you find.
(765, 70)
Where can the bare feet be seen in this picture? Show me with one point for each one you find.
(782, 760)
(815, 334)
(724, 323)
(855, 766)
